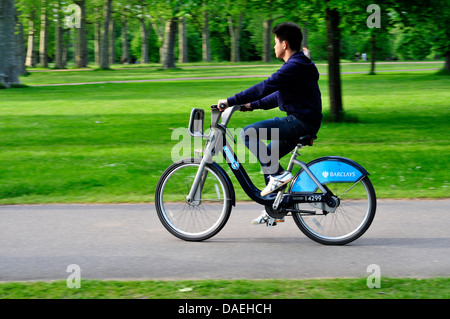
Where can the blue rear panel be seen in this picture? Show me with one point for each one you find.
(328, 171)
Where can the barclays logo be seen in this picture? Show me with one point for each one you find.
(325, 174)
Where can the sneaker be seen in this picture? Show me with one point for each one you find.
(265, 218)
(275, 182)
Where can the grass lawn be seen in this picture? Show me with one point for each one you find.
(152, 72)
(340, 288)
(111, 142)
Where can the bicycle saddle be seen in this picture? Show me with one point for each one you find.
(307, 140)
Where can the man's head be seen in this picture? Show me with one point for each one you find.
(291, 34)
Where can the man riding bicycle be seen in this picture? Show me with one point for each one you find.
(294, 89)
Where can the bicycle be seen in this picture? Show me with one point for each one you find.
(194, 196)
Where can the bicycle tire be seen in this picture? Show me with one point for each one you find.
(355, 214)
(196, 221)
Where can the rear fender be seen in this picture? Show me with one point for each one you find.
(328, 169)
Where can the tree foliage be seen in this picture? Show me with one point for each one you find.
(144, 31)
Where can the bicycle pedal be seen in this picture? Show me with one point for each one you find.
(271, 223)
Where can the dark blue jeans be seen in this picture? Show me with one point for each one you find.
(283, 133)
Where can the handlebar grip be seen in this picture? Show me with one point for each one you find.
(222, 106)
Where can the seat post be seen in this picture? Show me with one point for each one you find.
(295, 153)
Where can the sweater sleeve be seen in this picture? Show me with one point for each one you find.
(272, 84)
(266, 103)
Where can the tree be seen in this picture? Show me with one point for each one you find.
(271, 11)
(31, 57)
(43, 36)
(426, 17)
(334, 74)
(200, 11)
(125, 57)
(81, 52)
(140, 9)
(333, 17)
(164, 17)
(182, 40)
(104, 43)
(9, 68)
(235, 15)
(206, 45)
(168, 55)
(20, 46)
(59, 34)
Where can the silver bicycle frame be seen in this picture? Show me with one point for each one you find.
(215, 135)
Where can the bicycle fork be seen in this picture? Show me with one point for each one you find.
(194, 196)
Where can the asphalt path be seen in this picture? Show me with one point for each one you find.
(408, 238)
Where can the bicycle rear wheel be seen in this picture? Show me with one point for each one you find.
(200, 219)
(351, 219)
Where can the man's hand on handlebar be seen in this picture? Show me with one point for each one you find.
(222, 105)
(246, 107)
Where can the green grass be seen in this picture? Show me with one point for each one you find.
(341, 288)
(154, 72)
(111, 142)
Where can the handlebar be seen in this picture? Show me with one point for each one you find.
(218, 112)
(222, 107)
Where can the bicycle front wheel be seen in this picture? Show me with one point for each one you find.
(351, 219)
(202, 218)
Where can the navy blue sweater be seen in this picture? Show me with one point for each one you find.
(293, 88)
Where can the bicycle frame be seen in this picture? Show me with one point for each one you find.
(217, 142)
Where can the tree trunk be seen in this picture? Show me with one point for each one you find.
(334, 73)
(104, 52)
(168, 56)
(234, 28)
(372, 54)
(144, 41)
(125, 57)
(9, 71)
(182, 41)
(97, 36)
(31, 42)
(66, 45)
(305, 35)
(112, 43)
(20, 47)
(447, 61)
(43, 41)
(59, 33)
(267, 40)
(81, 54)
(206, 46)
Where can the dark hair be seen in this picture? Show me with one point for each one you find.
(291, 33)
